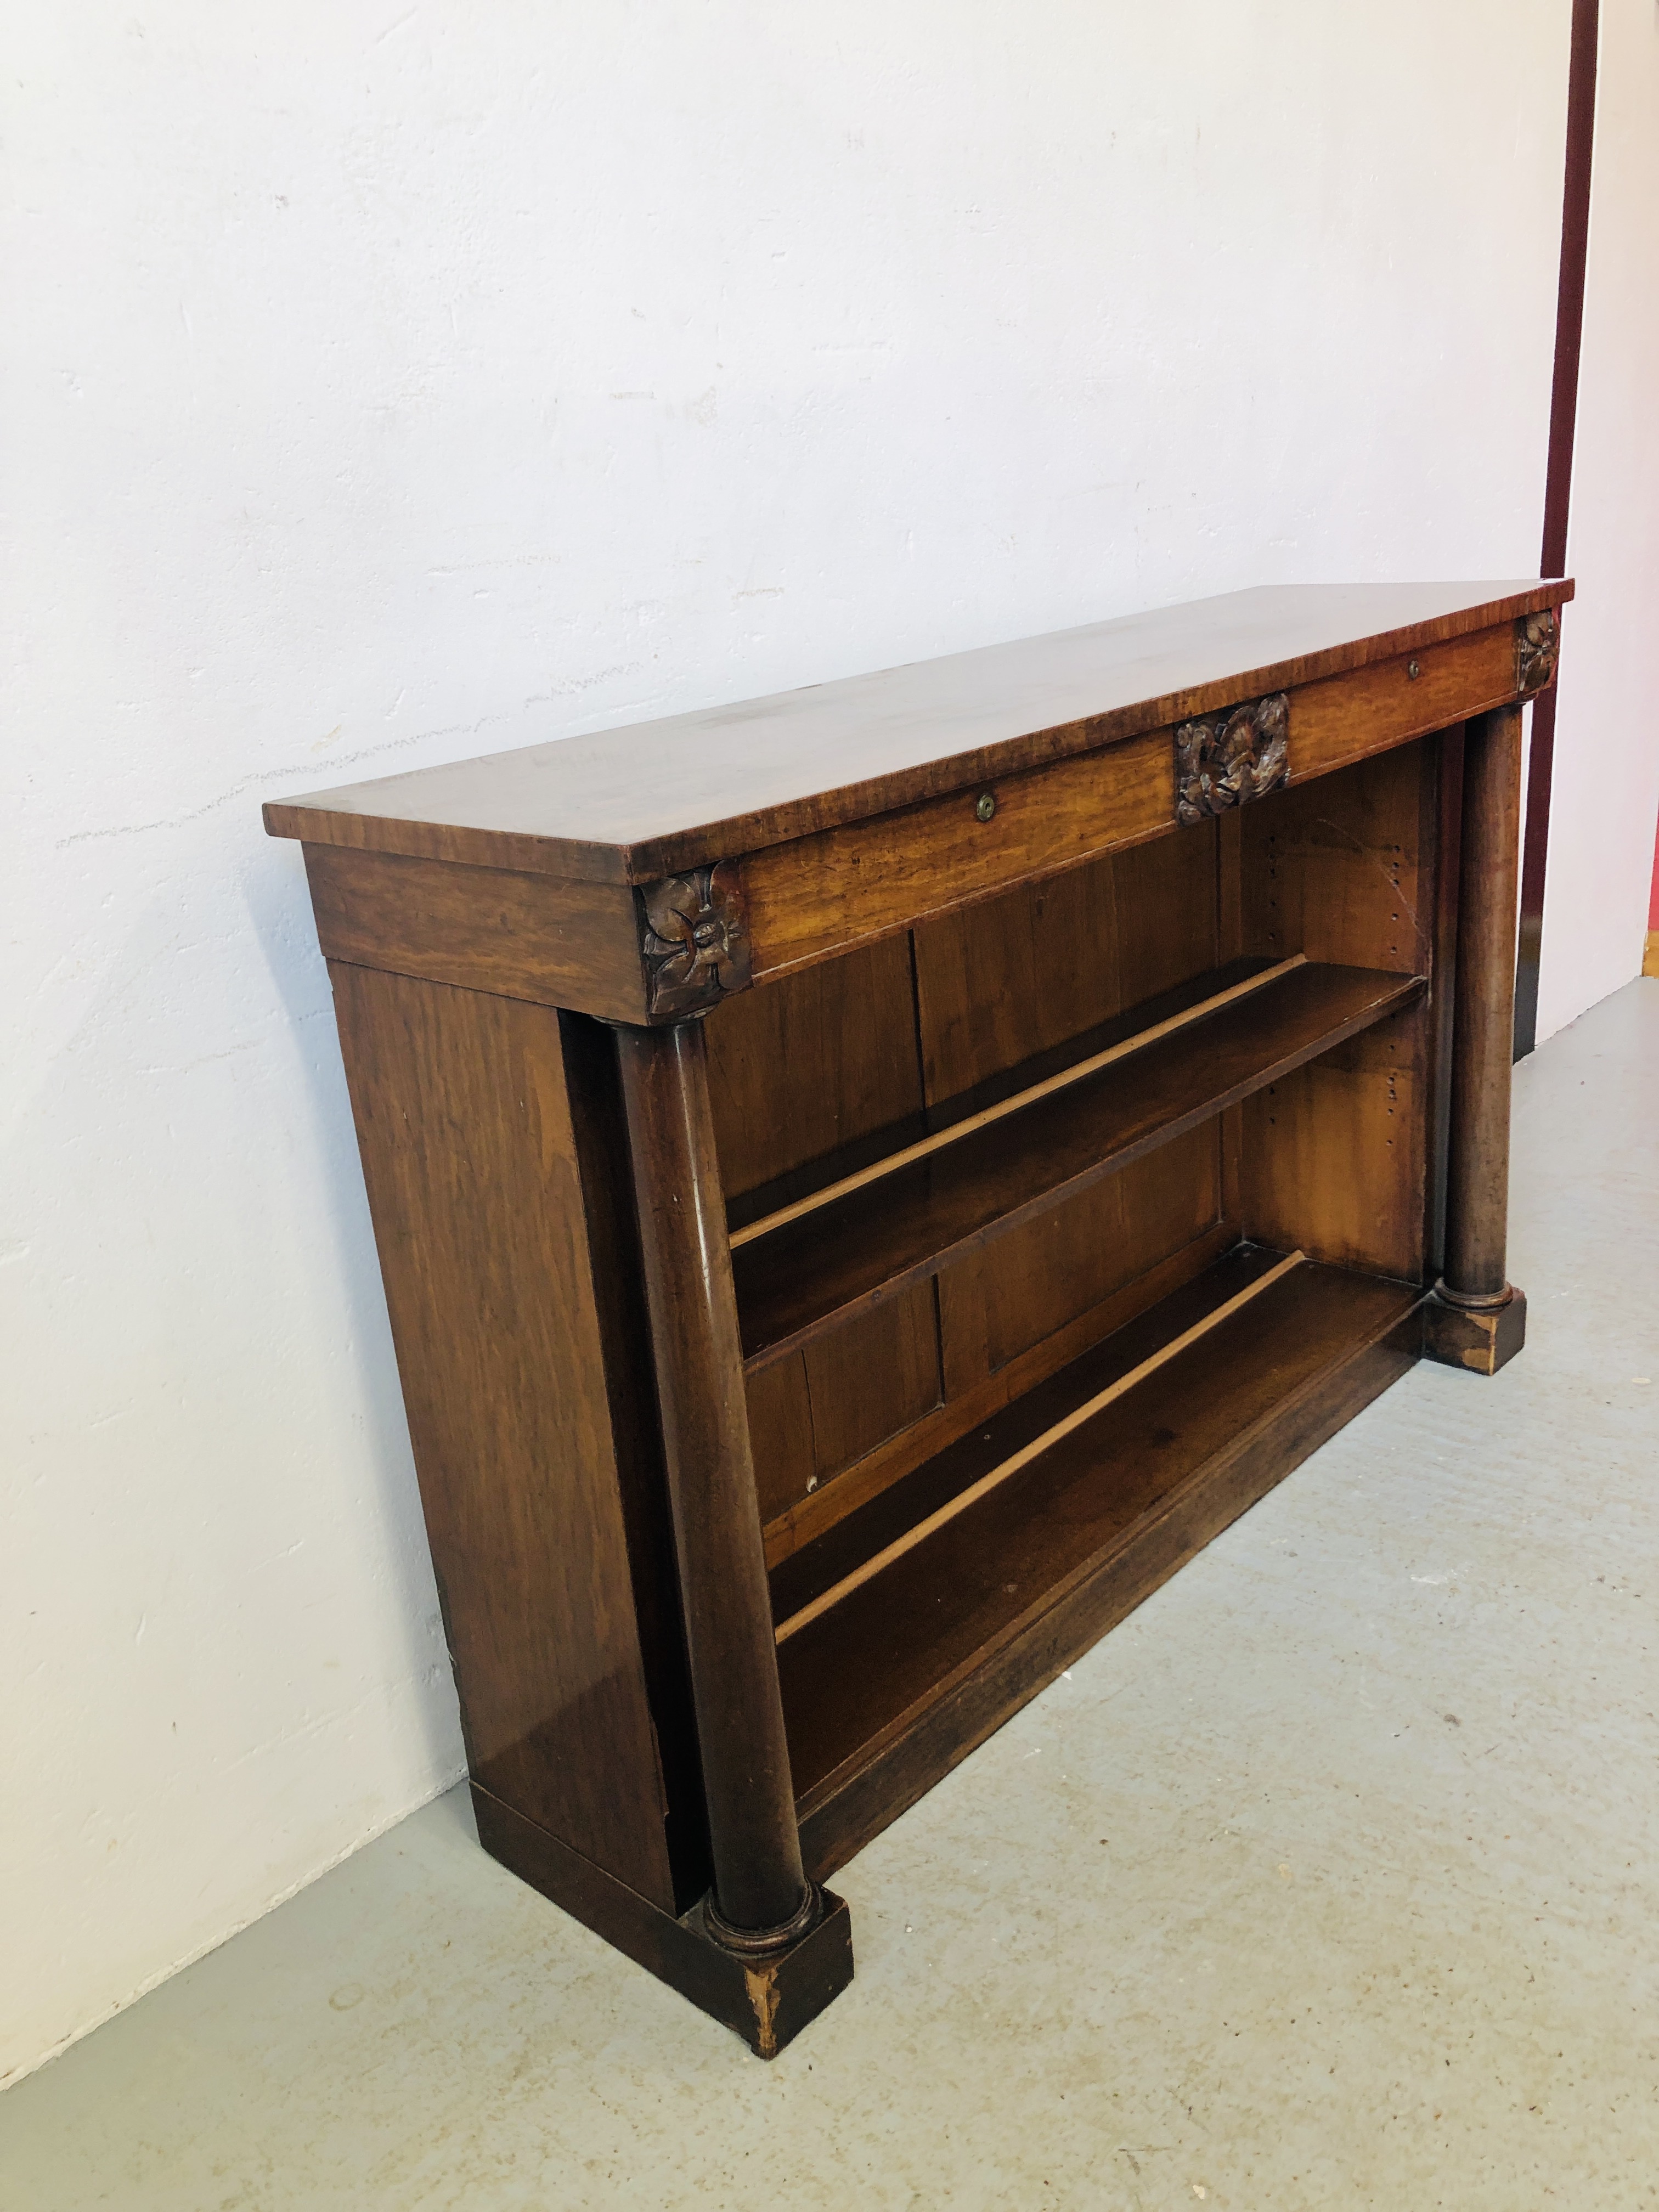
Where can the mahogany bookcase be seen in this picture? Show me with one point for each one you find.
(869, 1180)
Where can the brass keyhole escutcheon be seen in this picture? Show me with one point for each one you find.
(985, 805)
(1413, 669)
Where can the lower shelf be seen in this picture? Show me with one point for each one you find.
(912, 1629)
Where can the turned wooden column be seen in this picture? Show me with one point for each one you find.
(761, 1898)
(1474, 1285)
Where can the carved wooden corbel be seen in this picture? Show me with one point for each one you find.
(1537, 642)
(695, 940)
(1225, 759)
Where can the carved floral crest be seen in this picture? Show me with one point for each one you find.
(1223, 760)
(1537, 641)
(695, 940)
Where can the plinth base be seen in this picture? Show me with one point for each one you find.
(766, 2001)
(1481, 1338)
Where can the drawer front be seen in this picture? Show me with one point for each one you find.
(1344, 718)
(819, 894)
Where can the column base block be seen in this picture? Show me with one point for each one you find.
(1482, 1340)
(766, 2002)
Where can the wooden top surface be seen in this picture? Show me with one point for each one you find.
(635, 804)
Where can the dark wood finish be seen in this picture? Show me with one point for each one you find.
(970, 1401)
(1334, 1153)
(1483, 1339)
(1477, 1199)
(1019, 986)
(1071, 1258)
(891, 1689)
(817, 1567)
(845, 1033)
(556, 943)
(696, 941)
(1478, 1196)
(752, 1835)
(767, 2000)
(1446, 796)
(796, 1281)
(979, 1184)
(829, 1406)
(457, 1096)
(637, 805)
(1228, 759)
(1537, 647)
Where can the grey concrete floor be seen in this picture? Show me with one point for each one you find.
(1328, 1879)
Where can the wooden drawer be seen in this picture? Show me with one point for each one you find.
(812, 896)
(817, 895)
(1343, 718)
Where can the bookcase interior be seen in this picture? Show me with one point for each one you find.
(1036, 1205)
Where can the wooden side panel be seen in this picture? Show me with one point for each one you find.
(555, 942)
(1336, 1156)
(469, 1152)
(808, 1065)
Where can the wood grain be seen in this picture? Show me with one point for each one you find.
(879, 1782)
(970, 1404)
(830, 1406)
(1017, 1461)
(813, 897)
(766, 2002)
(1477, 1201)
(752, 1838)
(637, 804)
(1334, 1154)
(464, 1124)
(808, 1067)
(959, 1462)
(1001, 984)
(921, 1304)
(555, 943)
(800, 1280)
(1345, 718)
(861, 1673)
(1017, 1102)
(1071, 1258)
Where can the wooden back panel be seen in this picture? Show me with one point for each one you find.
(847, 1059)
(1334, 1158)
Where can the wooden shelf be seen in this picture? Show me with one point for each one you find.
(800, 1278)
(1272, 1358)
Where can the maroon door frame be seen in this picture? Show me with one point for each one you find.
(1558, 487)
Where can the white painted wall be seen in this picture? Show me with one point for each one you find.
(387, 382)
(1606, 792)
